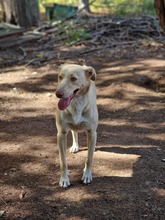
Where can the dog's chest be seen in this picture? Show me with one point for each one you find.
(77, 115)
(77, 122)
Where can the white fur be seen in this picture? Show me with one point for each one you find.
(80, 115)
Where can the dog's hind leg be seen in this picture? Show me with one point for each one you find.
(75, 146)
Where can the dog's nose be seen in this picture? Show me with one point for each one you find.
(59, 94)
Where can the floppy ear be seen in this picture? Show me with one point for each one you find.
(58, 71)
(90, 71)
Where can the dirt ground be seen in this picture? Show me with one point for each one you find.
(129, 162)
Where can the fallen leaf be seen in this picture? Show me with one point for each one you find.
(13, 169)
(101, 190)
(22, 194)
(2, 212)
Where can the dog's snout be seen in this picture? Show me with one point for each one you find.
(59, 94)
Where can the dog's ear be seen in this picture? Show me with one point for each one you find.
(90, 71)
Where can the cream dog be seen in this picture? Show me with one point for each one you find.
(77, 111)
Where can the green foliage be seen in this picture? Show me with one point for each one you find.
(59, 1)
(135, 8)
(125, 7)
(72, 33)
(118, 7)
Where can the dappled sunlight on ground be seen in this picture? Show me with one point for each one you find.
(120, 165)
(127, 168)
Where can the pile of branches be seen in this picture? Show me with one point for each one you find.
(93, 32)
(116, 31)
(106, 31)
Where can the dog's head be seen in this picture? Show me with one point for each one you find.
(73, 80)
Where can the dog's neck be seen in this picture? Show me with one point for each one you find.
(79, 105)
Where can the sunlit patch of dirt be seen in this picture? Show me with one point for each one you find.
(128, 167)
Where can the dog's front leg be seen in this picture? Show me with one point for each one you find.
(91, 142)
(62, 142)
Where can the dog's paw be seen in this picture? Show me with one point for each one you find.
(87, 176)
(64, 181)
(74, 149)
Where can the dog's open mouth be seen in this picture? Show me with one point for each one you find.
(65, 102)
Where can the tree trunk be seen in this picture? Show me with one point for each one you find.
(83, 7)
(22, 12)
(8, 11)
(160, 10)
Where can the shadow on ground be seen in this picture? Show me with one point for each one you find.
(128, 169)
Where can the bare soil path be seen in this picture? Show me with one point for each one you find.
(129, 167)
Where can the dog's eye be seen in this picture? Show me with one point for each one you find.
(73, 78)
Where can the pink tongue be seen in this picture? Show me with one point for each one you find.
(64, 103)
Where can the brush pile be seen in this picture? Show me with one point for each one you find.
(82, 35)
